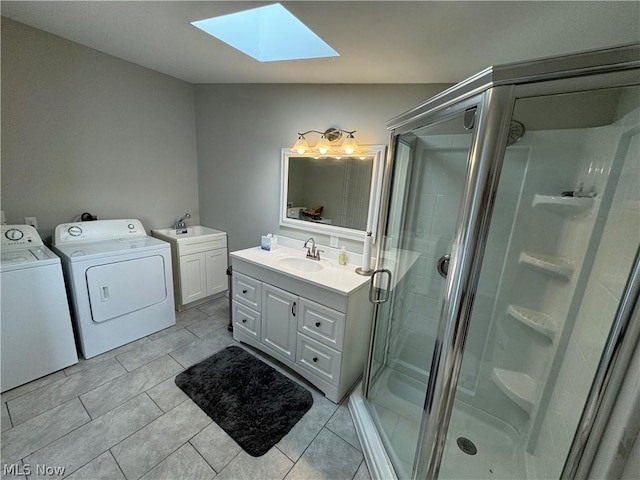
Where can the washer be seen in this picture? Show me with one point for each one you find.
(36, 332)
(119, 281)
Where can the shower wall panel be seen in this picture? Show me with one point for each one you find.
(620, 240)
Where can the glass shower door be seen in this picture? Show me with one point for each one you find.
(430, 168)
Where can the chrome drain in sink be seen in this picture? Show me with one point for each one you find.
(467, 446)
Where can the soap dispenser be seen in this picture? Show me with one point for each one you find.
(342, 256)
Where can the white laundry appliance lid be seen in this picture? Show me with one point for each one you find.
(107, 248)
(22, 247)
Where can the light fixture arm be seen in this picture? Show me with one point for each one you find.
(328, 136)
(310, 131)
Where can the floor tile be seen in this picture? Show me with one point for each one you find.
(167, 394)
(202, 348)
(327, 458)
(152, 350)
(38, 401)
(208, 325)
(183, 319)
(40, 431)
(294, 443)
(111, 394)
(83, 364)
(159, 433)
(363, 472)
(146, 448)
(273, 465)
(31, 386)
(219, 306)
(341, 424)
(5, 421)
(79, 447)
(102, 468)
(183, 463)
(216, 446)
(187, 317)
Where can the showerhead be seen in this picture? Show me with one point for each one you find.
(516, 131)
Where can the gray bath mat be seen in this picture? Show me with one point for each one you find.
(251, 401)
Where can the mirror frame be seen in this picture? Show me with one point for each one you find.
(375, 195)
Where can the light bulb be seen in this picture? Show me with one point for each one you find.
(323, 145)
(301, 145)
(350, 146)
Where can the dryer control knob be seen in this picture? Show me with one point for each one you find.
(14, 234)
(75, 231)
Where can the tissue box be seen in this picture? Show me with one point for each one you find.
(269, 243)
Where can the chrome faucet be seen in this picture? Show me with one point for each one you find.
(312, 252)
(180, 223)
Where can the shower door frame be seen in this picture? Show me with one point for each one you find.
(499, 88)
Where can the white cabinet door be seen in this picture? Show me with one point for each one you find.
(279, 321)
(193, 277)
(216, 262)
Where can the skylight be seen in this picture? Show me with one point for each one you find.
(268, 34)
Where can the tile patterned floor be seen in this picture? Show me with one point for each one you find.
(120, 416)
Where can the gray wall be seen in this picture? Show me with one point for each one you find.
(242, 128)
(85, 131)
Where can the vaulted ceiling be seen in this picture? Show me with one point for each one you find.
(378, 42)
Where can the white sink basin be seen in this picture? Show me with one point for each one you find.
(302, 264)
(197, 239)
(170, 234)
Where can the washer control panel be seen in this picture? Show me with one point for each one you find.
(19, 236)
(68, 233)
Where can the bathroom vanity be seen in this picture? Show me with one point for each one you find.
(314, 316)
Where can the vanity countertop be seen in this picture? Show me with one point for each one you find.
(341, 279)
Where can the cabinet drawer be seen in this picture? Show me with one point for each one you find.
(322, 361)
(321, 323)
(246, 319)
(247, 291)
(195, 245)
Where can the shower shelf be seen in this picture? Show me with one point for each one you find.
(518, 386)
(563, 205)
(538, 321)
(554, 266)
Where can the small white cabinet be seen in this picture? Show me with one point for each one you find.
(199, 266)
(318, 332)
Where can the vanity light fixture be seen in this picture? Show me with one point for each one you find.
(349, 146)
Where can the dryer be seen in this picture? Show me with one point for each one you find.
(119, 281)
(36, 334)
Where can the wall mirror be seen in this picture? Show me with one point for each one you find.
(336, 195)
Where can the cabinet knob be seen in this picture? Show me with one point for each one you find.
(315, 359)
(244, 320)
(317, 324)
(244, 291)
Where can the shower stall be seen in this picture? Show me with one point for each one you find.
(506, 288)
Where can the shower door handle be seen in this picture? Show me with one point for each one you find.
(443, 265)
(374, 292)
